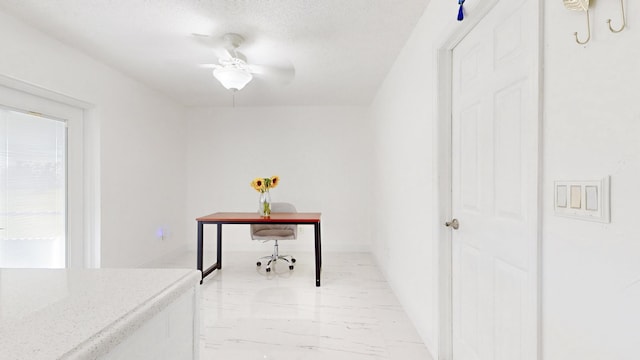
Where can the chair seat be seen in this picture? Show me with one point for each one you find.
(274, 234)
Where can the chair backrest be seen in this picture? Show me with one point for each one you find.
(283, 207)
(276, 231)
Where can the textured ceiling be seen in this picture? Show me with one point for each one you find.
(341, 49)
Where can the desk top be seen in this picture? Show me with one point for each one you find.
(252, 217)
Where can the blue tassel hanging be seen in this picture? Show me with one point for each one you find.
(460, 11)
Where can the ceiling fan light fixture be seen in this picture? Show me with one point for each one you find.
(232, 78)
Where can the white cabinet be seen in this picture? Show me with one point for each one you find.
(172, 334)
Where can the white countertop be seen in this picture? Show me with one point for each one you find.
(80, 314)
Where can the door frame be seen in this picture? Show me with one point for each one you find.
(442, 143)
(86, 236)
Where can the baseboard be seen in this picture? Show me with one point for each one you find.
(167, 256)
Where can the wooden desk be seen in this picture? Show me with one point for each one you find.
(240, 218)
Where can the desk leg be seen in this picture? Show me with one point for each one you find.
(200, 249)
(318, 252)
(219, 262)
(320, 245)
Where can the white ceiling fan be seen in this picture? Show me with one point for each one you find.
(233, 71)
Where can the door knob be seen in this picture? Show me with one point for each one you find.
(453, 224)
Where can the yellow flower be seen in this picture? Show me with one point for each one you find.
(258, 184)
(264, 184)
(275, 180)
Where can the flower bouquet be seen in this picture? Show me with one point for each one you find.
(263, 185)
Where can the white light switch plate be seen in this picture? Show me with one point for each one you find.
(583, 199)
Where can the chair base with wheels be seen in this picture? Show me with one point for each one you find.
(275, 232)
(275, 257)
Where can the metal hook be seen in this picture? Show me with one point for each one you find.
(624, 20)
(588, 32)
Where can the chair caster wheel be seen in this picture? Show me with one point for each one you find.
(290, 267)
(293, 260)
(258, 263)
(268, 269)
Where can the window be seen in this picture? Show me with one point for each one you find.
(32, 191)
(41, 182)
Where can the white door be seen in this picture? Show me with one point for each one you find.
(495, 186)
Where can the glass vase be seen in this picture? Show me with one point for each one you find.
(264, 205)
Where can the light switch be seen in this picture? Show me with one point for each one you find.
(576, 196)
(591, 197)
(561, 196)
(583, 199)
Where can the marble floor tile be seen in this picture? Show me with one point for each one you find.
(249, 314)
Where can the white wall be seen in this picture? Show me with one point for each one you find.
(404, 112)
(141, 136)
(591, 272)
(323, 158)
(591, 129)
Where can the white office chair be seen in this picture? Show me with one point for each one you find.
(275, 232)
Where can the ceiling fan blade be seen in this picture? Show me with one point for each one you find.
(208, 41)
(223, 53)
(209, 66)
(219, 46)
(280, 74)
